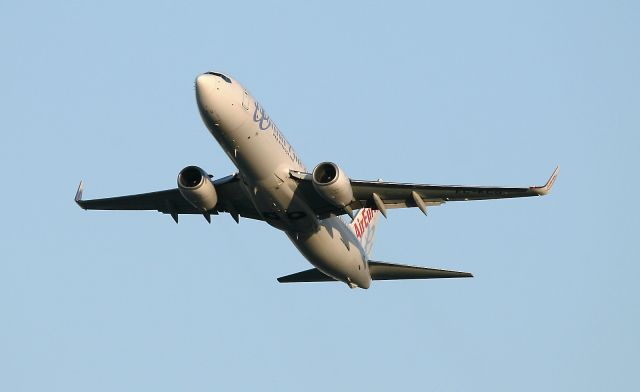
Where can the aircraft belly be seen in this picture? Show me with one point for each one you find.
(265, 170)
(281, 207)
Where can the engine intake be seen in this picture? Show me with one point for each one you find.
(196, 187)
(332, 184)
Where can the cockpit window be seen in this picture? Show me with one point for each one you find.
(224, 77)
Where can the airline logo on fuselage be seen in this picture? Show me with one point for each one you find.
(363, 221)
(261, 118)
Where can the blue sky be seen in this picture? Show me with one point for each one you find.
(490, 93)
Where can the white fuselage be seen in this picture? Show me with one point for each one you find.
(264, 158)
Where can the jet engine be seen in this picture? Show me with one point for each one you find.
(196, 187)
(332, 184)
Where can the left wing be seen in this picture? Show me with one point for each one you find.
(232, 198)
(384, 195)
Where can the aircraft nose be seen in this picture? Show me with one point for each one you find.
(211, 88)
(205, 85)
(207, 94)
(218, 100)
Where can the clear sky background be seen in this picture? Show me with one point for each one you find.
(489, 93)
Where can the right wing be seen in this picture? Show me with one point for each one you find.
(232, 198)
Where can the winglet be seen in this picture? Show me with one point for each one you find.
(78, 198)
(544, 190)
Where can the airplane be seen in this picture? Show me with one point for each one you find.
(330, 218)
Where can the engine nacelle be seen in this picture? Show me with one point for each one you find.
(332, 184)
(196, 187)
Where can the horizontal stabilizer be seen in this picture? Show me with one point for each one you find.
(379, 271)
(388, 271)
(312, 275)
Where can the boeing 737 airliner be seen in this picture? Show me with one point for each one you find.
(273, 185)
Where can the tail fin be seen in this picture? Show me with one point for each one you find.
(364, 227)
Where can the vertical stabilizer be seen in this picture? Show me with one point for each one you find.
(364, 226)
